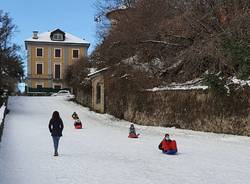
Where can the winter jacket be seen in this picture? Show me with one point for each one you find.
(56, 127)
(75, 116)
(132, 130)
(166, 145)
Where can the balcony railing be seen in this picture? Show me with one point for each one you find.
(34, 76)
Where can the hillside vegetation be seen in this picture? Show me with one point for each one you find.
(175, 41)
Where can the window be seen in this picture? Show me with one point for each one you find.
(57, 71)
(39, 86)
(75, 53)
(98, 93)
(57, 53)
(57, 86)
(39, 52)
(58, 37)
(39, 68)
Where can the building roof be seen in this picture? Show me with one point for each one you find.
(45, 37)
(95, 72)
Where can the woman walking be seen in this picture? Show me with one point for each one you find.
(56, 128)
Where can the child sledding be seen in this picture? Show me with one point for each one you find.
(168, 146)
(75, 116)
(132, 132)
(77, 123)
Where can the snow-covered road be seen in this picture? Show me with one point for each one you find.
(101, 153)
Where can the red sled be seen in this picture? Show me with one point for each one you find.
(78, 126)
(133, 135)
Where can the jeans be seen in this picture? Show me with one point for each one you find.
(56, 142)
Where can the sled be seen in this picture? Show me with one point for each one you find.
(170, 152)
(133, 135)
(78, 125)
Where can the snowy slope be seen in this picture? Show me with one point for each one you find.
(101, 153)
(2, 109)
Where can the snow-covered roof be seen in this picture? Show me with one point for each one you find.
(69, 38)
(97, 71)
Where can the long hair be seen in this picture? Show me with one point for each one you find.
(56, 115)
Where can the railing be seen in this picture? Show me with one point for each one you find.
(36, 76)
(49, 77)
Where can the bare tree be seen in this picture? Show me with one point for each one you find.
(11, 68)
(185, 36)
(77, 72)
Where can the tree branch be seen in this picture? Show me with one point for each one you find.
(161, 42)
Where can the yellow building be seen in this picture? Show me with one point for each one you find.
(49, 55)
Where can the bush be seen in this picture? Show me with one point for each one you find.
(216, 83)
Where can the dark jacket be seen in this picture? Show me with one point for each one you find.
(56, 127)
(132, 130)
(75, 116)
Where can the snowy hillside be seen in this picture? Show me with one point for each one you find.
(101, 153)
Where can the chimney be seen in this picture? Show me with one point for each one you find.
(35, 36)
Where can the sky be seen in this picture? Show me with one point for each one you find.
(75, 17)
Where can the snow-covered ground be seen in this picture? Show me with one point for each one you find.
(2, 109)
(101, 153)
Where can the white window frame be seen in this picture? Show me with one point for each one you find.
(54, 70)
(57, 84)
(55, 52)
(73, 53)
(42, 52)
(39, 62)
(56, 37)
(40, 83)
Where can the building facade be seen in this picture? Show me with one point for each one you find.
(49, 55)
(98, 90)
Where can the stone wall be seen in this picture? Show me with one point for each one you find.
(187, 109)
(83, 96)
(192, 109)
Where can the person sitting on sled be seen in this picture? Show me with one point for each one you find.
(132, 129)
(75, 116)
(132, 132)
(168, 146)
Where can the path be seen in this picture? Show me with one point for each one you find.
(101, 153)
